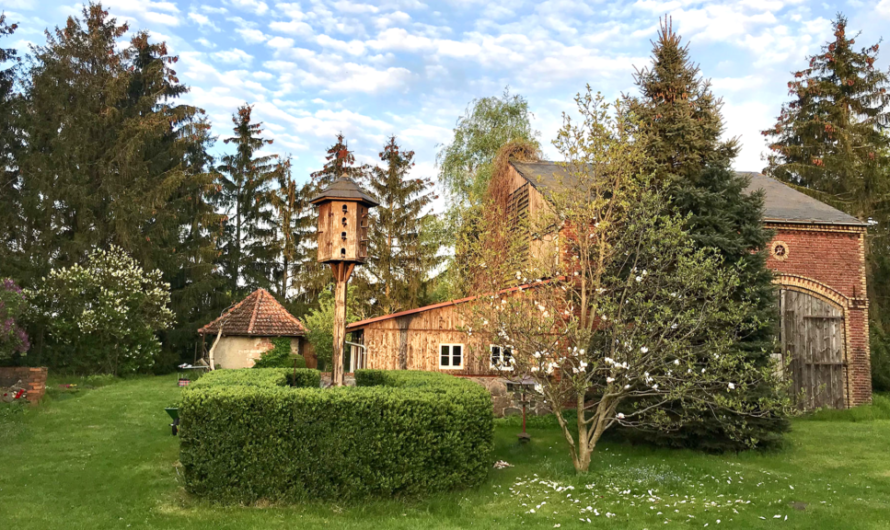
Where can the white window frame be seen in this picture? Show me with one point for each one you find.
(508, 367)
(463, 356)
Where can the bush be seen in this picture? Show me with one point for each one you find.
(246, 436)
(104, 316)
(13, 339)
(280, 356)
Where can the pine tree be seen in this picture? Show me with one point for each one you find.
(830, 141)
(402, 252)
(248, 242)
(340, 162)
(680, 126)
(106, 161)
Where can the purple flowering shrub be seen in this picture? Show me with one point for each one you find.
(13, 339)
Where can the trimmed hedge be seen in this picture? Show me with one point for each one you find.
(246, 436)
(259, 377)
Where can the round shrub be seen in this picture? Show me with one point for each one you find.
(246, 435)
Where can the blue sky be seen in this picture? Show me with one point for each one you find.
(314, 68)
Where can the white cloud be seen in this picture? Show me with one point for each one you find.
(214, 9)
(163, 13)
(234, 56)
(354, 8)
(257, 7)
(352, 48)
(331, 74)
(280, 42)
(251, 36)
(292, 27)
(883, 8)
(206, 43)
(202, 20)
(395, 18)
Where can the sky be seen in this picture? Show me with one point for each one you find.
(409, 68)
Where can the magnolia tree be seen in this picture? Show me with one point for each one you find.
(104, 316)
(13, 339)
(630, 316)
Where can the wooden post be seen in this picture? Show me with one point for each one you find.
(342, 272)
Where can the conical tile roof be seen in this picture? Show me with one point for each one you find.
(258, 315)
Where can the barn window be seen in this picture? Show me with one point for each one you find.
(501, 358)
(451, 356)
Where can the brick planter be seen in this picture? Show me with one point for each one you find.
(33, 380)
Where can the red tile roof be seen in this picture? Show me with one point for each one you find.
(258, 315)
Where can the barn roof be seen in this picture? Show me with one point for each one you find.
(344, 188)
(258, 315)
(782, 203)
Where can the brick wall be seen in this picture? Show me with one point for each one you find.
(33, 380)
(829, 261)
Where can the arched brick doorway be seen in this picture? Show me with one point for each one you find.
(813, 342)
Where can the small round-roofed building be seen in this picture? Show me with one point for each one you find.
(245, 331)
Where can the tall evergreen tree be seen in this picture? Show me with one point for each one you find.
(680, 126)
(402, 252)
(10, 143)
(106, 157)
(339, 162)
(197, 289)
(830, 141)
(294, 223)
(248, 243)
(679, 116)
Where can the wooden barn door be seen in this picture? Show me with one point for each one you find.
(813, 338)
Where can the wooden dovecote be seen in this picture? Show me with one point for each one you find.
(343, 217)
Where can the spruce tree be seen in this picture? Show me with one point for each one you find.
(680, 126)
(106, 161)
(10, 143)
(248, 243)
(294, 224)
(679, 116)
(339, 162)
(830, 141)
(402, 253)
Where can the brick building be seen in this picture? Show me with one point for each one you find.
(818, 254)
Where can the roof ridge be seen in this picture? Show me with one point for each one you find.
(224, 315)
(256, 309)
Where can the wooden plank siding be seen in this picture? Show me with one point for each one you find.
(411, 342)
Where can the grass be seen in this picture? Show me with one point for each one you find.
(104, 458)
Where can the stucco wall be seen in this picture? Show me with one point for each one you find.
(242, 352)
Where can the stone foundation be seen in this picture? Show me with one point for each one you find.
(33, 380)
(504, 402)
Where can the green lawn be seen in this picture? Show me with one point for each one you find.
(104, 458)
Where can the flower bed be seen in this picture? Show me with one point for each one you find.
(246, 435)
